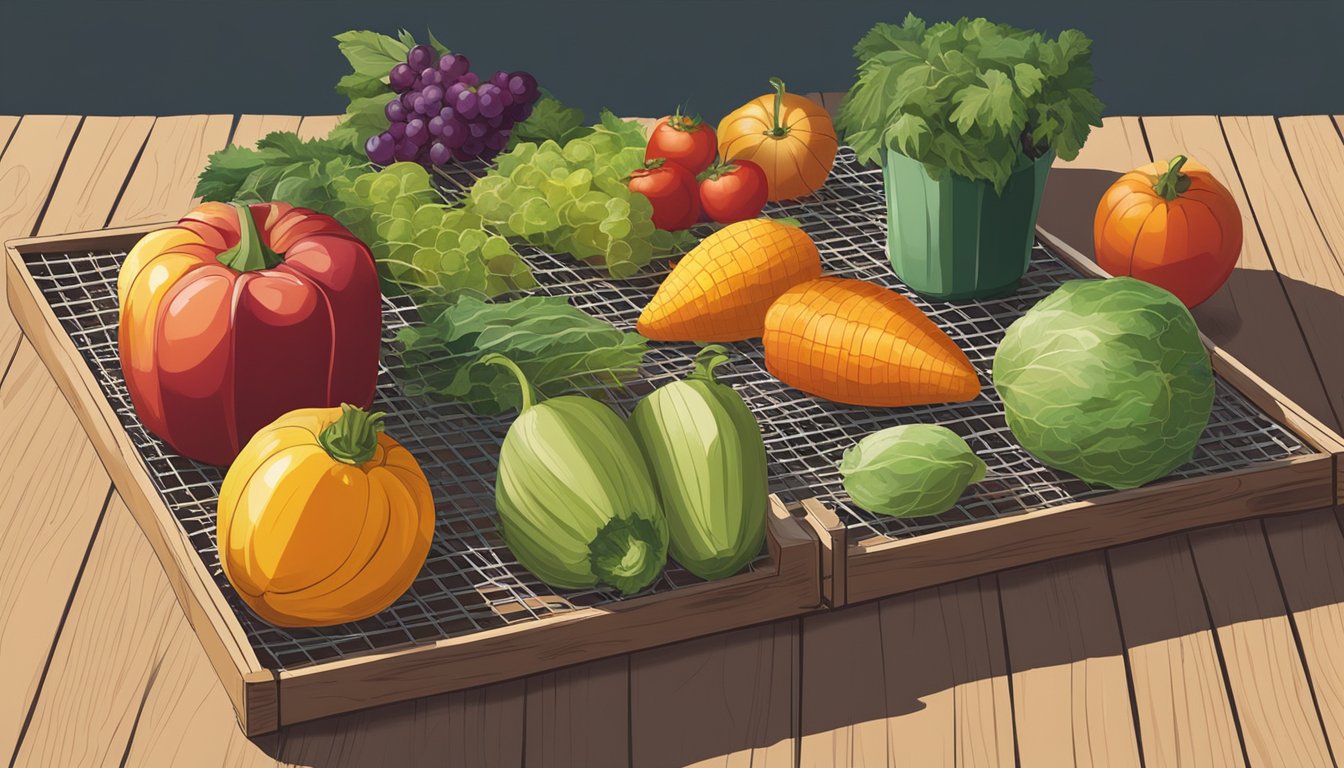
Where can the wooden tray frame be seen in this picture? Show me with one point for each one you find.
(266, 700)
(881, 566)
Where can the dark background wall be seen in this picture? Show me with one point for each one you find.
(639, 57)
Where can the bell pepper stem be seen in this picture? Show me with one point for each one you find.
(352, 438)
(778, 130)
(524, 385)
(706, 360)
(1171, 184)
(250, 253)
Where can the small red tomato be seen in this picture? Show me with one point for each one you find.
(734, 191)
(687, 141)
(672, 191)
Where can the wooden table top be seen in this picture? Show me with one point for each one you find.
(1220, 647)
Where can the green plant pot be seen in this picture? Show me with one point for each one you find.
(957, 238)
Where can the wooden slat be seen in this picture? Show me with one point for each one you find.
(1250, 316)
(165, 179)
(578, 715)
(1182, 704)
(7, 125)
(95, 173)
(724, 700)
(1308, 554)
(1312, 276)
(318, 126)
(28, 172)
(1317, 154)
(253, 127)
(1269, 687)
(107, 656)
(1071, 698)
(55, 488)
(918, 679)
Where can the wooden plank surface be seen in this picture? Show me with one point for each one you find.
(165, 178)
(1071, 694)
(95, 173)
(7, 125)
(1183, 708)
(1269, 687)
(918, 679)
(579, 715)
(28, 172)
(253, 127)
(724, 700)
(318, 126)
(1312, 276)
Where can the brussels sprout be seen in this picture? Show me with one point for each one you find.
(1107, 380)
(910, 471)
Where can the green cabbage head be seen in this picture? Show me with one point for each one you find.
(1107, 380)
(910, 470)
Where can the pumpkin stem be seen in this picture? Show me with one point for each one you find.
(250, 253)
(1171, 184)
(707, 359)
(353, 438)
(494, 358)
(779, 130)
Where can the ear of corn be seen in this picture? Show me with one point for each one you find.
(720, 291)
(858, 343)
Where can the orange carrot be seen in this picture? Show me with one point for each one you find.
(856, 342)
(721, 290)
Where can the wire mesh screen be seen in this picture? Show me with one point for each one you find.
(470, 581)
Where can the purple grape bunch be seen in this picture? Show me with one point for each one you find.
(442, 111)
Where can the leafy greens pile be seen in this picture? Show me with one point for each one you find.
(972, 97)
(561, 188)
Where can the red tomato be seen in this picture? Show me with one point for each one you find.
(686, 141)
(671, 190)
(734, 191)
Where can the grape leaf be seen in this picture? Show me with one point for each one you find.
(559, 348)
(550, 119)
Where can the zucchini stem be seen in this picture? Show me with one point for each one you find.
(494, 358)
(625, 554)
(706, 360)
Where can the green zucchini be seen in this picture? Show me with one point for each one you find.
(575, 501)
(708, 461)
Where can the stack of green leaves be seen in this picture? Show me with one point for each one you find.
(972, 97)
(560, 348)
(574, 199)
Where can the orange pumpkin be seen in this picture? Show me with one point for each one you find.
(791, 137)
(1170, 224)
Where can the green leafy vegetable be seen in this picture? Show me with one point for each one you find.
(1107, 380)
(557, 346)
(910, 471)
(281, 167)
(550, 120)
(971, 97)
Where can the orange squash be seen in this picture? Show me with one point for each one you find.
(791, 137)
(856, 342)
(1170, 224)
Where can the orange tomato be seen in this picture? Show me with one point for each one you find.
(1170, 224)
(791, 137)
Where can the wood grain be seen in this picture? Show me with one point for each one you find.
(725, 700)
(318, 126)
(918, 679)
(164, 183)
(579, 715)
(1250, 316)
(7, 125)
(1313, 277)
(28, 172)
(1183, 708)
(55, 489)
(102, 158)
(1308, 554)
(1071, 696)
(1269, 686)
(250, 128)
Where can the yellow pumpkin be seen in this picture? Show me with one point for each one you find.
(791, 137)
(323, 519)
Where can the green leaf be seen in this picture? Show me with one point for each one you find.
(372, 54)
(559, 348)
(364, 117)
(438, 46)
(550, 119)
(1028, 79)
(910, 135)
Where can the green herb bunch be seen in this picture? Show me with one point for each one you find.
(971, 97)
